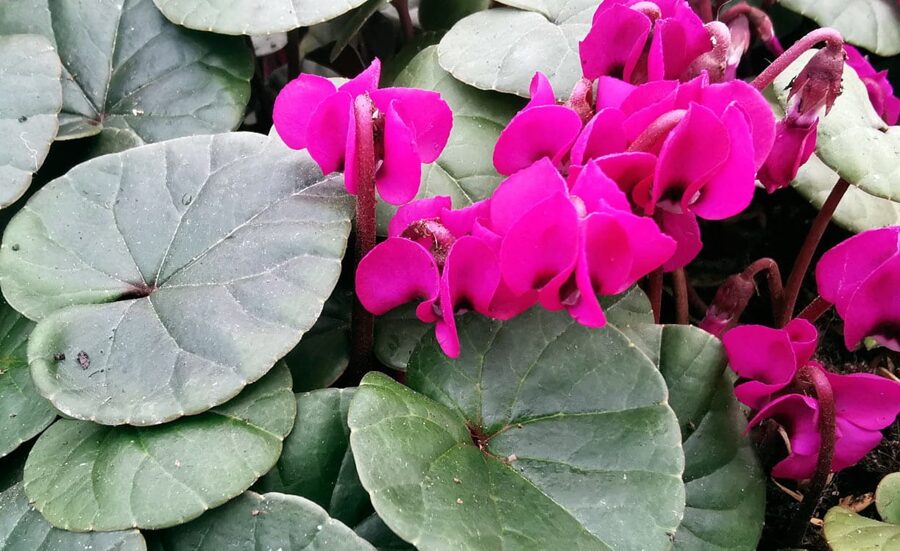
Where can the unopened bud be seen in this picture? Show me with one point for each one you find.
(730, 301)
(714, 62)
(582, 100)
(819, 83)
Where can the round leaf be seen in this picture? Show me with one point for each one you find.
(501, 49)
(82, 476)
(852, 139)
(872, 24)
(847, 531)
(22, 528)
(252, 16)
(465, 170)
(324, 351)
(23, 412)
(30, 100)
(887, 498)
(172, 275)
(543, 433)
(126, 66)
(858, 211)
(270, 521)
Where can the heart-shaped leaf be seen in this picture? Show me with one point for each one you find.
(465, 170)
(23, 528)
(872, 24)
(852, 139)
(30, 100)
(857, 212)
(501, 49)
(83, 476)
(317, 464)
(543, 433)
(252, 16)
(271, 521)
(847, 531)
(126, 66)
(23, 412)
(396, 335)
(172, 275)
(324, 351)
(887, 498)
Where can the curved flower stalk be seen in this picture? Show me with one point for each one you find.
(534, 241)
(860, 277)
(775, 366)
(411, 128)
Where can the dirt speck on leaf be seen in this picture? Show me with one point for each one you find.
(84, 360)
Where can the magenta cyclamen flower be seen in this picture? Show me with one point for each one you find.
(881, 93)
(640, 40)
(414, 125)
(769, 361)
(860, 277)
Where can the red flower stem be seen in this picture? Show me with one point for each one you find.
(680, 287)
(655, 293)
(657, 130)
(827, 424)
(363, 323)
(804, 257)
(406, 23)
(704, 9)
(826, 34)
(773, 281)
(815, 310)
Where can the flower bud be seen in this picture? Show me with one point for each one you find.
(730, 301)
(818, 85)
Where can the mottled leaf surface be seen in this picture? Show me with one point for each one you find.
(872, 24)
(170, 276)
(83, 476)
(30, 100)
(847, 531)
(126, 66)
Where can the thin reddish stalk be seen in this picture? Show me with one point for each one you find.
(773, 281)
(825, 34)
(680, 288)
(363, 323)
(827, 425)
(804, 257)
(655, 293)
(815, 310)
(402, 7)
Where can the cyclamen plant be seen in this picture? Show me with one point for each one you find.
(539, 199)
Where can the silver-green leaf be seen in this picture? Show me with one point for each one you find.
(172, 275)
(126, 66)
(30, 100)
(87, 477)
(872, 24)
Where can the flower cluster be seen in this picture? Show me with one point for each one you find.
(860, 277)
(535, 241)
(774, 367)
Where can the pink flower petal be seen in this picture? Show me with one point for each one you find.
(615, 43)
(519, 193)
(601, 136)
(611, 92)
(799, 417)
(424, 112)
(400, 174)
(853, 443)
(844, 268)
(541, 245)
(327, 132)
(295, 105)
(794, 145)
(685, 230)
(533, 134)
(541, 91)
(804, 339)
(365, 82)
(868, 401)
(763, 355)
(422, 209)
(874, 309)
(395, 272)
(759, 114)
(628, 169)
(599, 191)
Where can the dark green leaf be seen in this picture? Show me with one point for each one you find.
(172, 275)
(24, 529)
(30, 100)
(441, 15)
(501, 49)
(23, 412)
(252, 16)
(324, 351)
(82, 476)
(125, 66)
(271, 521)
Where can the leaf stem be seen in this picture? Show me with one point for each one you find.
(815, 309)
(804, 257)
(827, 425)
(680, 287)
(363, 322)
(773, 281)
(826, 34)
(406, 23)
